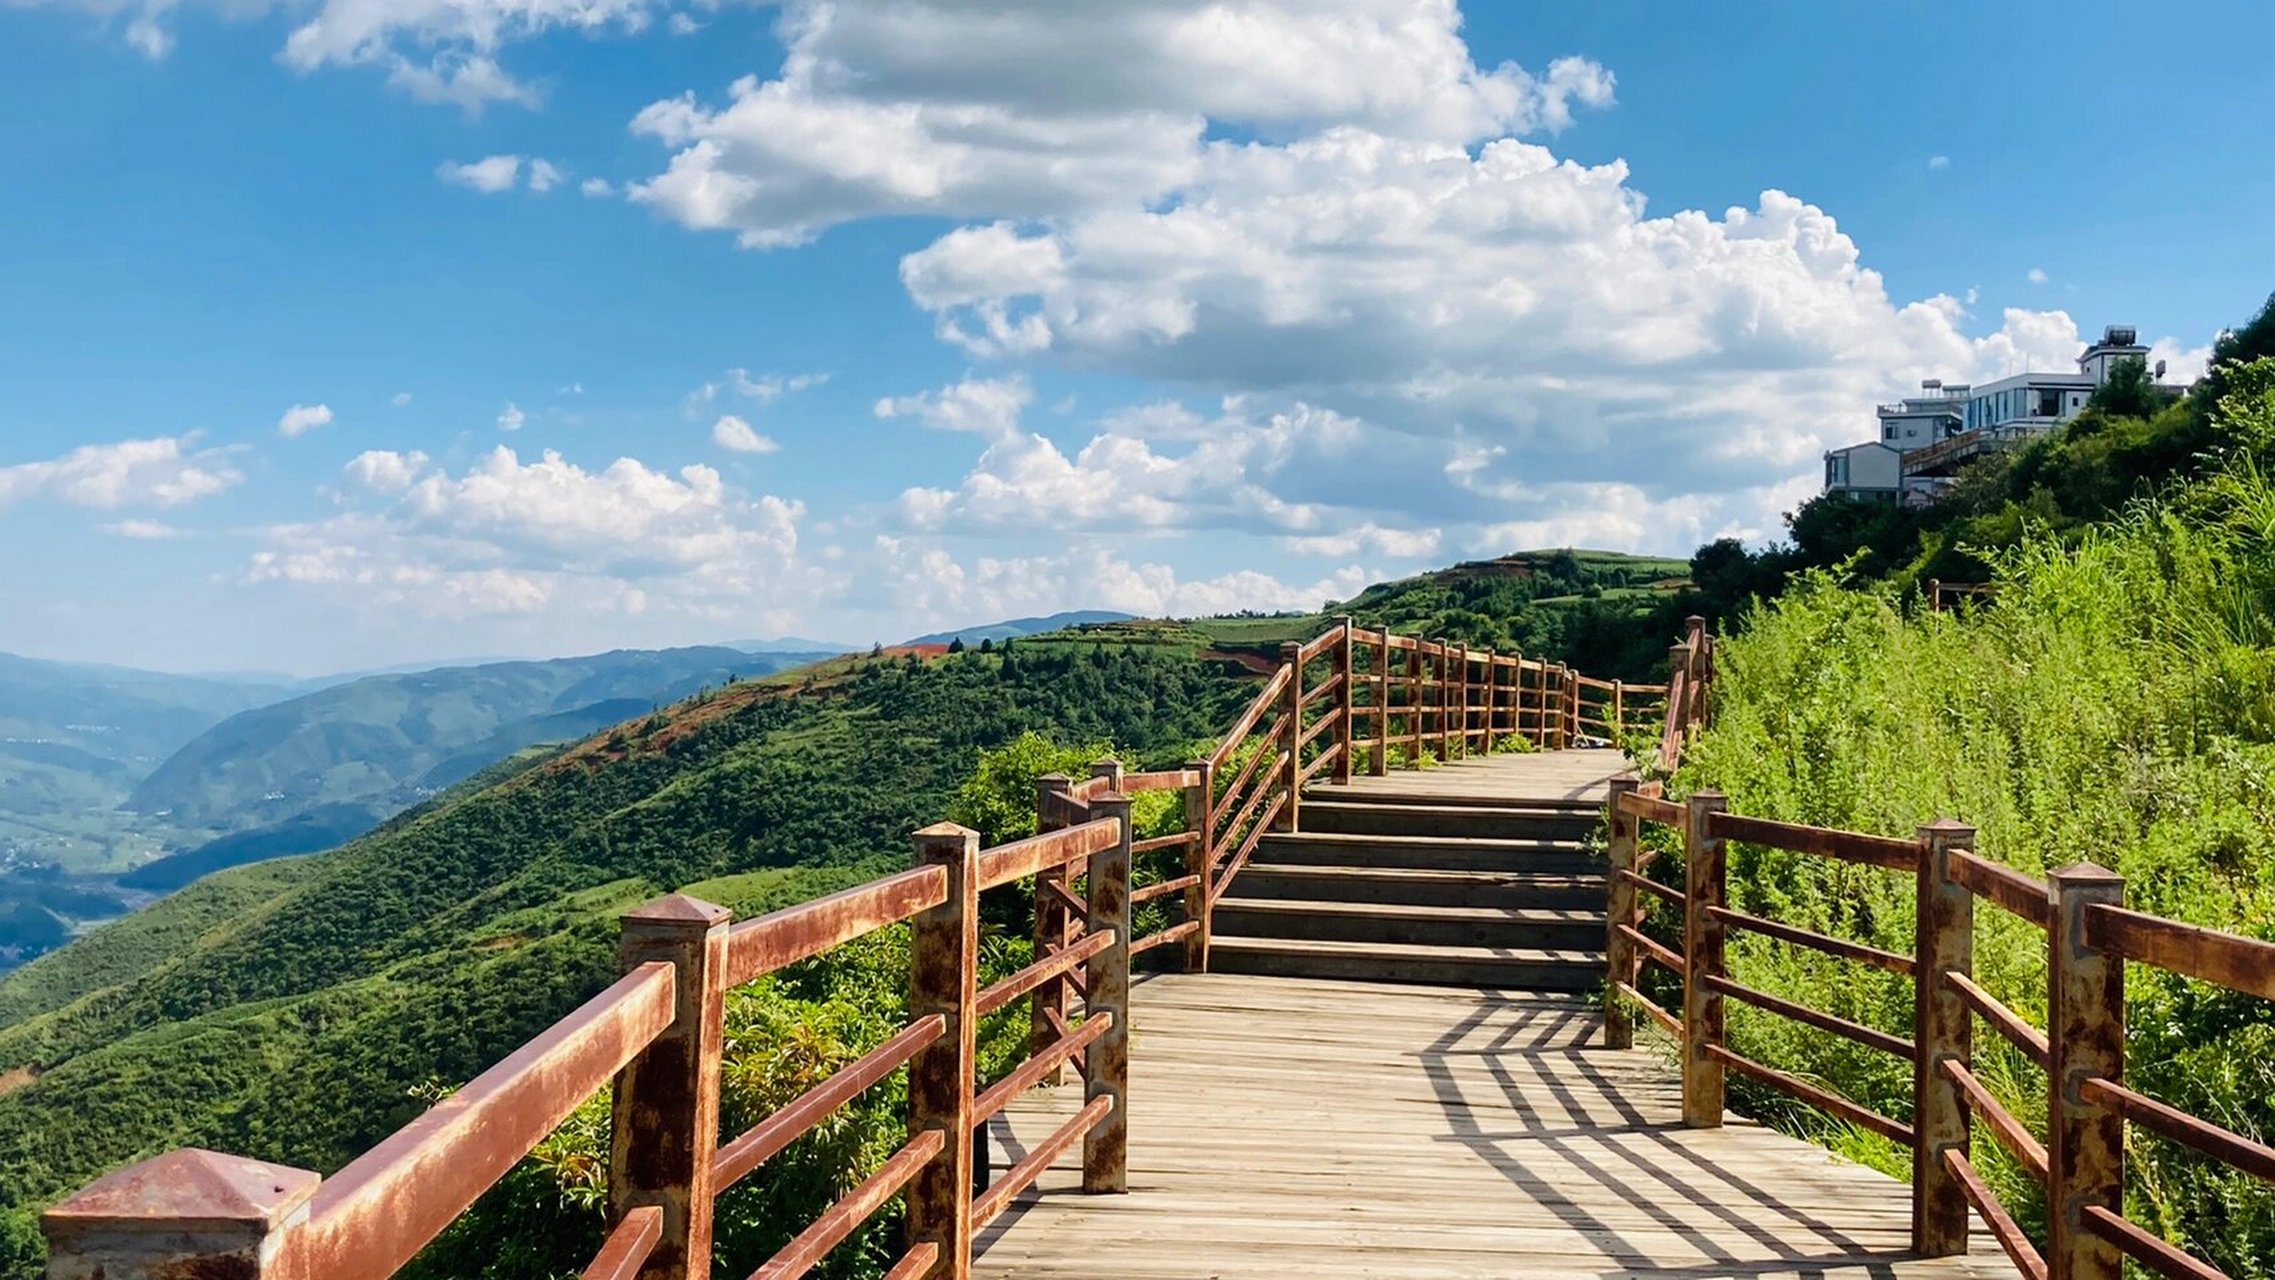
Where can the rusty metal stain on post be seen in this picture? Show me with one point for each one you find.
(1703, 938)
(1619, 953)
(1054, 928)
(1200, 860)
(944, 982)
(1346, 667)
(2086, 1011)
(664, 1127)
(1292, 655)
(1943, 1029)
(185, 1215)
(1105, 1149)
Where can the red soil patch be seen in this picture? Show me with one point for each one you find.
(1256, 663)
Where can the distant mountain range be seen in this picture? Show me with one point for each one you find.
(1016, 627)
(385, 742)
(117, 783)
(118, 780)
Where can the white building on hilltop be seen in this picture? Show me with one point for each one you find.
(1925, 439)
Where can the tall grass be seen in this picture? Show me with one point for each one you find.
(2116, 703)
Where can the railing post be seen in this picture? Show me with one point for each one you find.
(1054, 927)
(1490, 669)
(1703, 935)
(1347, 734)
(664, 1124)
(1448, 683)
(186, 1213)
(1110, 769)
(1200, 860)
(1292, 740)
(1701, 667)
(2086, 1028)
(1935, 595)
(1457, 698)
(1618, 710)
(1944, 1029)
(1379, 758)
(1619, 909)
(1414, 704)
(944, 980)
(1678, 692)
(1541, 705)
(1105, 1149)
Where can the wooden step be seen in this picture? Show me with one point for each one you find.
(1421, 886)
(1325, 849)
(1472, 822)
(1528, 929)
(1366, 793)
(1531, 970)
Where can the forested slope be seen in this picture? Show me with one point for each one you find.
(293, 1019)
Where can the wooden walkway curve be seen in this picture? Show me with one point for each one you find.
(1289, 1127)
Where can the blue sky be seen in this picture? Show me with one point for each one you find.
(1014, 306)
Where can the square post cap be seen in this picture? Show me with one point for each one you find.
(189, 1190)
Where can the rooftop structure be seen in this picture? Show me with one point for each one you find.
(1925, 439)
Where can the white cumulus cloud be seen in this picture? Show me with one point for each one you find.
(166, 471)
(511, 417)
(983, 108)
(734, 434)
(301, 419)
(489, 175)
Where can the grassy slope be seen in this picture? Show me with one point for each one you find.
(2117, 704)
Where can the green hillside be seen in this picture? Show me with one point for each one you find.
(1605, 610)
(75, 738)
(383, 741)
(288, 1010)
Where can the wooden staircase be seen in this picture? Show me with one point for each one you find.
(1390, 886)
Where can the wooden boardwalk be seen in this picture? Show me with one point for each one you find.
(1291, 1127)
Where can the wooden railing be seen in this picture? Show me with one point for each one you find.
(2090, 937)
(657, 1034)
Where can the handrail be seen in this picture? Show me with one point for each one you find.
(1022, 858)
(371, 1217)
(763, 944)
(2207, 955)
(2003, 886)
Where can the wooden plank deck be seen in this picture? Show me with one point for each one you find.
(1290, 1128)
(1508, 779)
